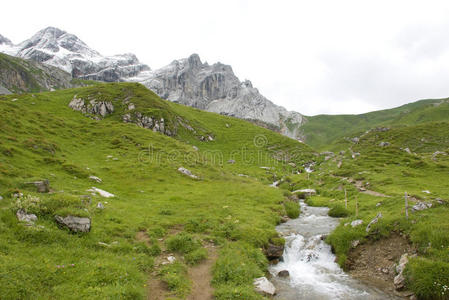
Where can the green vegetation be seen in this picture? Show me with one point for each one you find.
(323, 130)
(292, 209)
(42, 138)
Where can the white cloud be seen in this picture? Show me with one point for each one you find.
(346, 56)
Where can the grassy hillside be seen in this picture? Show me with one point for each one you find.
(322, 130)
(390, 171)
(18, 75)
(156, 210)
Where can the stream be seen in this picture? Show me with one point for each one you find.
(314, 274)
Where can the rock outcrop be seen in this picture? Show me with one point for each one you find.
(264, 287)
(75, 224)
(23, 216)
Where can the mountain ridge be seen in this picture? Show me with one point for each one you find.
(187, 81)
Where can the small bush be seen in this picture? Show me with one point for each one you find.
(338, 211)
(292, 209)
(175, 276)
(196, 256)
(182, 243)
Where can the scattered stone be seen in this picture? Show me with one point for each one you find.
(355, 243)
(284, 219)
(399, 280)
(308, 192)
(291, 164)
(104, 244)
(435, 154)
(266, 168)
(373, 221)
(426, 192)
(421, 206)
(22, 216)
(385, 270)
(284, 273)
(408, 150)
(43, 186)
(327, 153)
(100, 205)
(75, 224)
(339, 164)
(210, 138)
(242, 175)
(275, 184)
(95, 178)
(381, 129)
(274, 251)
(231, 161)
(355, 140)
(355, 154)
(17, 195)
(342, 152)
(384, 144)
(101, 192)
(263, 286)
(195, 148)
(171, 259)
(131, 106)
(227, 125)
(1, 198)
(356, 223)
(378, 204)
(187, 172)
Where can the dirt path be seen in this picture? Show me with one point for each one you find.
(156, 289)
(374, 262)
(201, 276)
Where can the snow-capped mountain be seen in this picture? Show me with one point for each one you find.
(66, 51)
(188, 81)
(215, 88)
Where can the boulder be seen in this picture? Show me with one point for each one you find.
(421, 206)
(284, 273)
(373, 221)
(274, 251)
(101, 192)
(43, 186)
(187, 172)
(356, 223)
(307, 192)
(75, 224)
(95, 178)
(263, 286)
(22, 216)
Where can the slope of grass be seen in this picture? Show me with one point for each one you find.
(392, 171)
(41, 137)
(322, 130)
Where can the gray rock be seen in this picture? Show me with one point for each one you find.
(355, 243)
(435, 154)
(75, 224)
(284, 273)
(291, 164)
(1, 198)
(195, 148)
(100, 205)
(263, 286)
(231, 161)
(187, 172)
(94, 107)
(274, 251)
(421, 206)
(43, 186)
(95, 178)
(22, 216)
(355, 140)
(373, 221)
(399, 280)
(356, 223)
(384, 144)
(308, 192)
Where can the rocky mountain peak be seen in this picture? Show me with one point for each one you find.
(4, 41)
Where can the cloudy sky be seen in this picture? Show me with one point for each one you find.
(310, 56)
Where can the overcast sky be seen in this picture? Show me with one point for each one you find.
(313, 57)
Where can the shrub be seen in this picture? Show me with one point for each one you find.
(182, 243)
(292, 209)
(338, 211)
(196, 256)
(175, 276)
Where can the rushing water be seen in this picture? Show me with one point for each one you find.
(314, 274)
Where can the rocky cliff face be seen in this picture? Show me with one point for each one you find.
(20, 76)
(216, 88)
(66, 51)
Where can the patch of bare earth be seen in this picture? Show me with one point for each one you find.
(201, 276)
(374, 262)
(157, 289)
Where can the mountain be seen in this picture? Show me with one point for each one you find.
(155, 207)
(24, 76)
(322, 130)
(188, 81)
(215, 88)
(66, 51)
